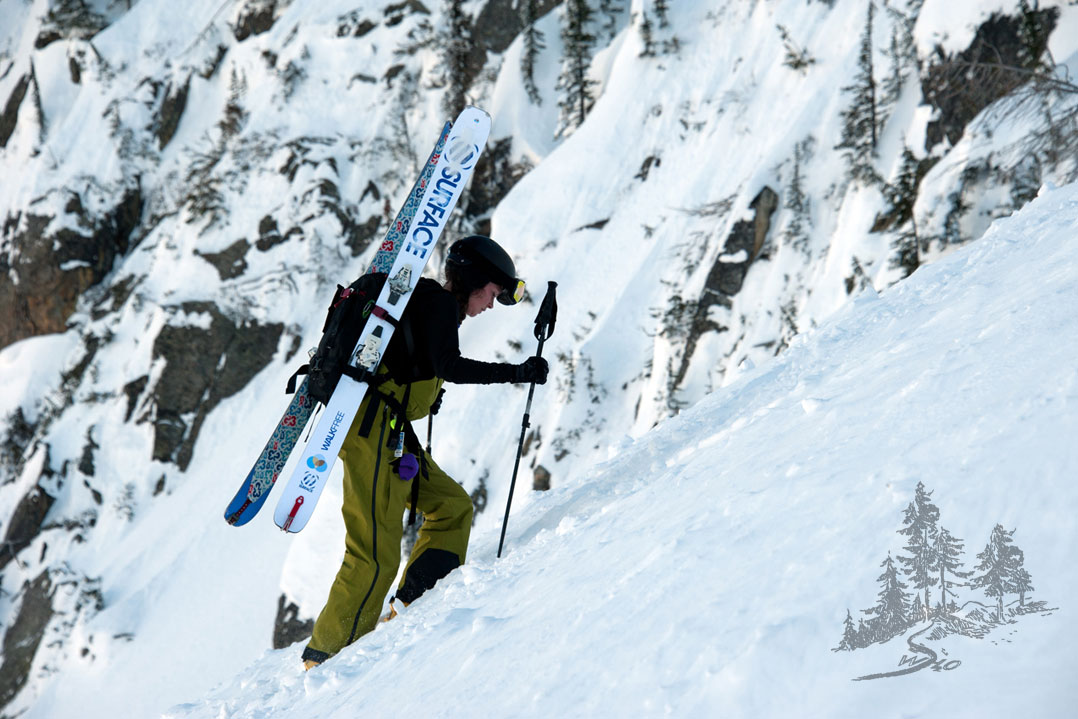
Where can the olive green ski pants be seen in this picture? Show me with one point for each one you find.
(375, 502)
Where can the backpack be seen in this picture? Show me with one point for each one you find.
(345, 318)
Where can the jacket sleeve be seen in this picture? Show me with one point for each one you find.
(445, 355)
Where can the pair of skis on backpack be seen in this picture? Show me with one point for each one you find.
(403, 255)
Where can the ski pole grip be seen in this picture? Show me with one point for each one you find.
(548, 312)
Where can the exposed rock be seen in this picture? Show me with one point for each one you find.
(114, 298)
(203, 367)
(230, 261)
(86, 461)
(209, 68)
(354, 25)
(358, 236)
(960, 86)
(134, 389)
(540, 479)
(168, 118)
(649, 162)
(24, 636)
(255, 18)
(742, 246)
(53, 268)
(268, 234)
(392, 73)
(15, 442)
(10, 116)
(396, 12)
(69, 19)
(499, 22)
(289, 628)
(25, 523)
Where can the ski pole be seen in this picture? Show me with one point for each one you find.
(544, 327)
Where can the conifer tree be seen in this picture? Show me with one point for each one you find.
(533, 45)
(921, 529)
(893, 608)
(797, 57)
(949, 557)
(849, 635)
(917, 610)
(647, 36)
(575, 85)
(902, 53)
(864, 634)
(661, 10)
(859, 120)
(609, 9)
(895, 79)
(1022, 583)
(456, 45)
(901, 196)
(797, 201)
(999, 567)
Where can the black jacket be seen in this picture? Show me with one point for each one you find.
(425, 345)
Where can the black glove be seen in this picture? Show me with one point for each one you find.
(533, 369)
(437, 403)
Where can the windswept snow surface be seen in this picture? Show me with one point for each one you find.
(707, 567)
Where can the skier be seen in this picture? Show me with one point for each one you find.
(379, 487)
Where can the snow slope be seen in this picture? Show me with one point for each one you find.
(705, 569)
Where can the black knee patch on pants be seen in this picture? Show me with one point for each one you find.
(314, 655)
(426, 570)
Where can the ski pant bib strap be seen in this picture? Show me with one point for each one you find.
(375, 500)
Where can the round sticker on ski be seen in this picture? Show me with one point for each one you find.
(317, 462)
(461, 152)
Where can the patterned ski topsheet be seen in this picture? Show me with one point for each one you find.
(252, 494)
(467, 138)
(260, 480)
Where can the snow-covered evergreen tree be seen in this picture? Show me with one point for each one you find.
(532, 38)
(921, 527)
(849, 635)
(901, 195)
(948, 551)
(891, 615)
(456, 44)
(797, 200)
(1023, 583)
(647, 36)
(574, 83)
(610, 10)
(860, 119)
(999, 567)
(662, 10)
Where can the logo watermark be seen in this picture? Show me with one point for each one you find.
(932, 592)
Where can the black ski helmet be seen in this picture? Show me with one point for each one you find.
(479, 260)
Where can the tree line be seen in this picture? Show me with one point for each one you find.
(933, 566)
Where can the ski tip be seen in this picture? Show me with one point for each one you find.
(476, 115)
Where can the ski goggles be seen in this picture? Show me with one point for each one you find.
(513, 294)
